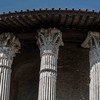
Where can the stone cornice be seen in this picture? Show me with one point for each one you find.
(29, 20)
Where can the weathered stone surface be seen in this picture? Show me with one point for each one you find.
(49, 41)
(93, 42)
(9, 45)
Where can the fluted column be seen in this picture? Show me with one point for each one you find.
(9, 45)
(49, 41)
(93, 42)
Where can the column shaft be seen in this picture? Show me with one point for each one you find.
(48, 71)
(5, 79)
(94, 75)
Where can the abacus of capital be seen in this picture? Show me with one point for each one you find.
(9, 45)
(93, 42)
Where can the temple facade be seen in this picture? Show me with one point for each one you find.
(50, 54)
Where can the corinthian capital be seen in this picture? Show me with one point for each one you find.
(92, 40)
(9, 44)
(49, 39)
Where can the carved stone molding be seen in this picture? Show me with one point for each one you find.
(9, 44)
(92, 41)
(49, 40)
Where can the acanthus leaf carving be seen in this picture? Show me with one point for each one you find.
(49, 40)
(92, 41)
(9, 44)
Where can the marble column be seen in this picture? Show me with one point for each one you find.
(92, 41)
(49, 41)
(9, 45)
